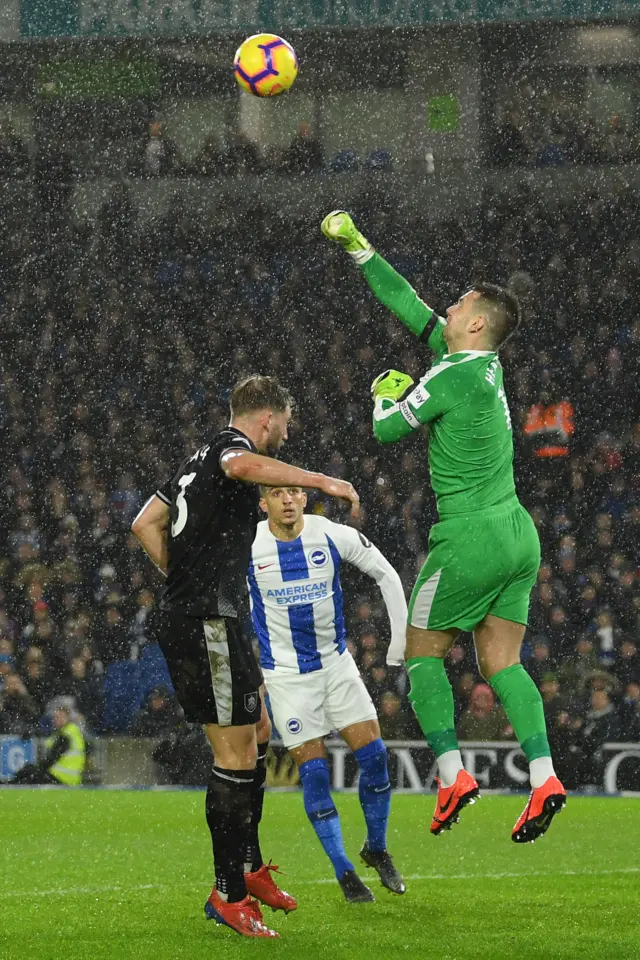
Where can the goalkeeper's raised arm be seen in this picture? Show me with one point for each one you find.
(387, 284)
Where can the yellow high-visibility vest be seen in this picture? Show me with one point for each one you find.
(70, 767)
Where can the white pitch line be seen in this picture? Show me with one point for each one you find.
(79, 891)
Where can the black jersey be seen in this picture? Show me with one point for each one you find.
(211, 529)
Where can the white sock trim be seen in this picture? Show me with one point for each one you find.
(540, 770)
(449, 766)
(361, 256)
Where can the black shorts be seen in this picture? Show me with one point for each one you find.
(213, 669)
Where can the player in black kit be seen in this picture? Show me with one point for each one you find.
(198, 529)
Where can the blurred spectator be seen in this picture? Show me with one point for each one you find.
(125, 500)
(627, 666)
(463, 691)
(483, 719)
(548, 428)
(159, 715)
(552, 700)
(581, 662)
(304, 154)
(565, 741)
(19, 713)
(630, 713)
(242, 155)
(7, 660)
(391, 719)
(53, 173)
(42, 683)
(511, 147)
(86, 689)
(376, 676)
(111, 636)
(65, 755)
(14, 156)
(541, 663)
(601, 726)
(210, 162)
(160, 154)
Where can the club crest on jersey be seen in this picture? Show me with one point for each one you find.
(294, 725)
(250, 701)
(318, 557)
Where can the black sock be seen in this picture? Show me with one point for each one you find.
(228, 805)
(253, 856)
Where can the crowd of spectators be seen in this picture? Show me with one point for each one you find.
(51, 164)
(543, 124)
(119, 347)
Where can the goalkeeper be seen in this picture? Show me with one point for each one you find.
(484, 552)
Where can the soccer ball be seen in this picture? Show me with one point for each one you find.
(265, 65)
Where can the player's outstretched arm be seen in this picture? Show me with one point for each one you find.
(254, 468)
(386, 284)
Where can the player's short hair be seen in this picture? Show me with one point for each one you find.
(501, 309)
(259, 393)
(264, 487)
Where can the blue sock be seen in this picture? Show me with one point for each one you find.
(314, 775)
(375, 792)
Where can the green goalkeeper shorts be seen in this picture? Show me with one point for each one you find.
(477, 564)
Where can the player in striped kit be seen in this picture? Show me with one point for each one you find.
(313, 682)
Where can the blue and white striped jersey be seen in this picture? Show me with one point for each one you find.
(296, 596)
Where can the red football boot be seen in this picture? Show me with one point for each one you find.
(451, 800)
(544, 802)
(243, 916)
(261, 885)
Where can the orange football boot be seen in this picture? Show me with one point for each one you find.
(451, 800)
(262, 886)
(543, 804)
(243, 916)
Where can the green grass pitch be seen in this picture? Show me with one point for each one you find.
(98, 874)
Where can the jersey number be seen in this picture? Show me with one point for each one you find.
(183, 512)
(507, 413)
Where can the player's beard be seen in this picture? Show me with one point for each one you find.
(273, 444)
(273, 447)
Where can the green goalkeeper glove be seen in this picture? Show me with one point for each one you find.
(339, 226)
(390, 385)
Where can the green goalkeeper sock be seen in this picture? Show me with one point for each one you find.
(523, 706)
(431, 697)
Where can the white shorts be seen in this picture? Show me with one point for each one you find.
(306, 706)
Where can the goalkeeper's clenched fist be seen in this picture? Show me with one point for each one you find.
(390, 385)
(339, 226)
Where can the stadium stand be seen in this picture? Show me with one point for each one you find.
(119, 346)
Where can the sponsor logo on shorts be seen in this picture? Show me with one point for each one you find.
(251, 701)
(318, 557)
(294, 725)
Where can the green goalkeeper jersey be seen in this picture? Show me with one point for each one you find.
(461, 398)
